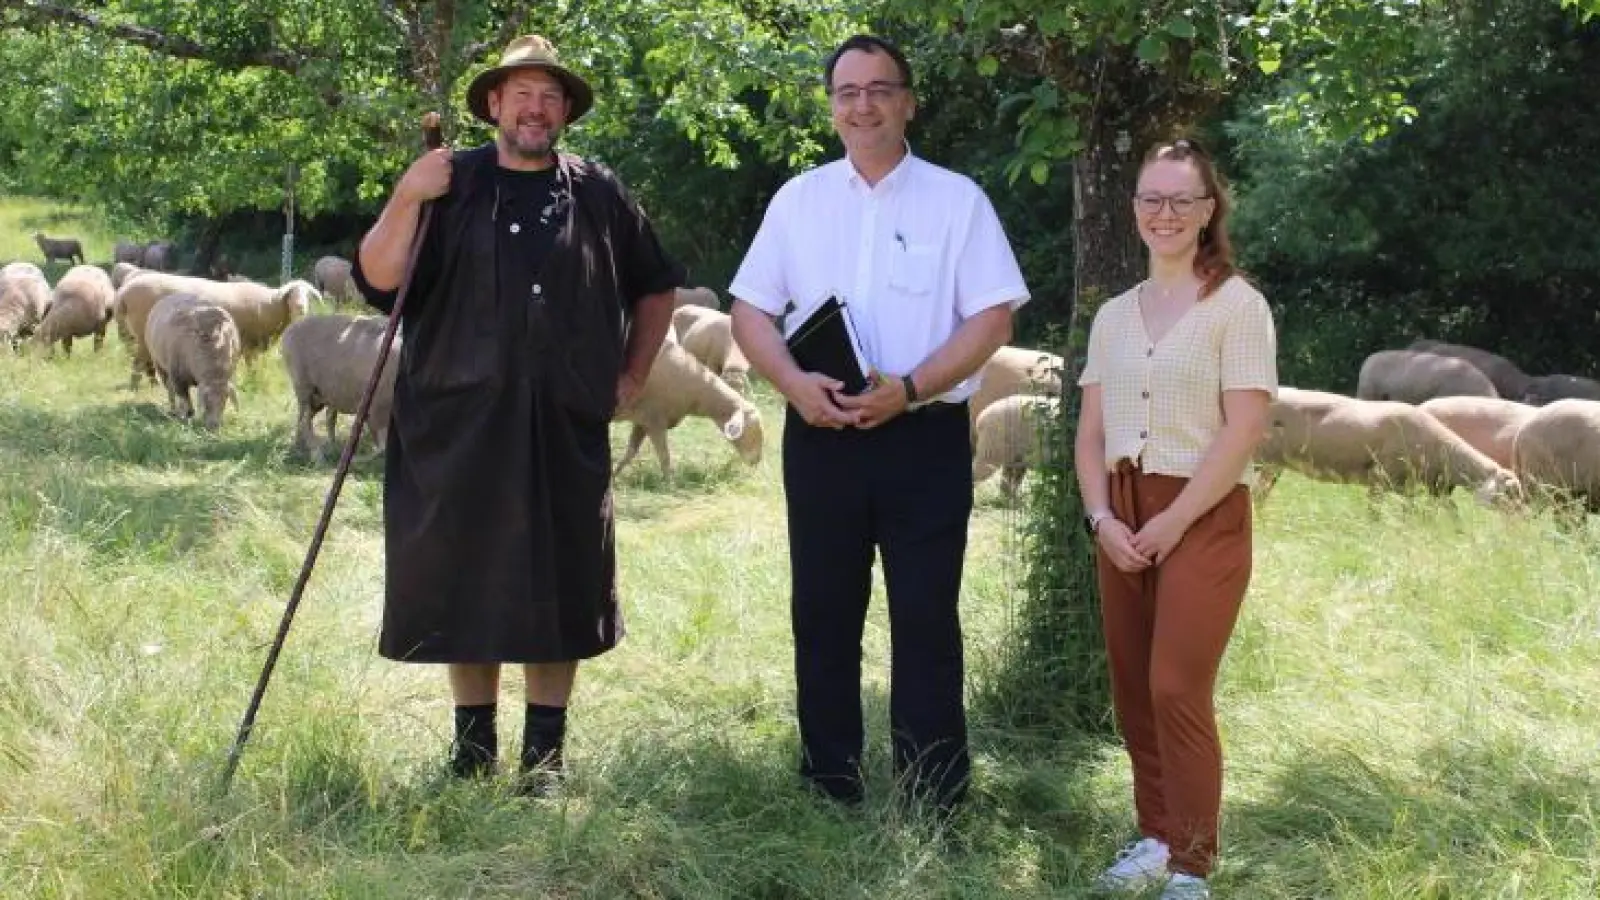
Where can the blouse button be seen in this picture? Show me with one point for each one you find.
(1149, 351)
(1144, 395)
(1143, 435)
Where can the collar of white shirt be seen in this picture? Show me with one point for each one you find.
(887, 183)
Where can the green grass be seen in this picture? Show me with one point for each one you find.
(1408, 708)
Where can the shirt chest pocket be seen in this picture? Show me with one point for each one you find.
(914, 268)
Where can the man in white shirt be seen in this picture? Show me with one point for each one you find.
(919, 259)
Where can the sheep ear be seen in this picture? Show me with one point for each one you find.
(734, 427)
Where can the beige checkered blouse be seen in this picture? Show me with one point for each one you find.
(1163, 401)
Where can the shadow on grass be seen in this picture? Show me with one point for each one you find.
(1463, 828)
(715, 812)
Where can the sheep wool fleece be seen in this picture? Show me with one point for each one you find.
(497, 493)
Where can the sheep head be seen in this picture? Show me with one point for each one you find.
(1503, 488)
(296, 297)
(743, 430)
(213, 398)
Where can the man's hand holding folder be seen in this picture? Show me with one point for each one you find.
(848, 391)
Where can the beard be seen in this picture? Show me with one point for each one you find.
(534, 148)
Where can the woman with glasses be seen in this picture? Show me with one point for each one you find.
(1176, 386)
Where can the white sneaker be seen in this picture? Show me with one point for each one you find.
(1186, 887)
(1139, 865)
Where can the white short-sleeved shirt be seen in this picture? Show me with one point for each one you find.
(1162, 401)
(912, 257)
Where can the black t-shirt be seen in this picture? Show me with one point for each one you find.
(529, 213)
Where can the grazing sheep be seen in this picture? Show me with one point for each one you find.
(194, 344)
(24, 301)
(69, 249)
(1411, 376)
(1014, 370)
(686, 317)
(128, 252)
(1509, 380)
(1489, 424)
(158, 256)
(80, 307)
(699, 296)
(122, 271)
(710, 340)
(259, 312)
(1549, 388)
(331, 276)
(1559, 448)
(678, 386)
(1013, 436)
(330, 359)
(1380, 443)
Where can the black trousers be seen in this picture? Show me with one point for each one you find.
(904, 489)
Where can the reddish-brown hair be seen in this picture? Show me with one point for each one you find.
(1213, 262)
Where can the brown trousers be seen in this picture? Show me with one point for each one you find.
(1166, 629)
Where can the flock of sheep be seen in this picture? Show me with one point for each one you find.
(1440, 416)
(191, 334)
(1432, 415)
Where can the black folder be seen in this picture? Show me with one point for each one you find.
(826, 343)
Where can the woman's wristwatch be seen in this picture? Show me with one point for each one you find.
(1095, 518)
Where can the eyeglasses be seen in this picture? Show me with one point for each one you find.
(875, 91)
(1182, 204)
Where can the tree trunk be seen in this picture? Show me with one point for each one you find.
(1108, 257)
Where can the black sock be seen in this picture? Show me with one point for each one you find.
(544, 730)
(476, 744)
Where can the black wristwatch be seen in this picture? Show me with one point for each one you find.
(911, 389)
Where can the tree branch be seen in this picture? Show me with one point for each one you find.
(510, 28)
(31, 12)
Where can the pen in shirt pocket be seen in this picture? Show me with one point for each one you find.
(902, 239)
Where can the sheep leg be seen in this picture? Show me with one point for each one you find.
(1011, 481)
(658, 440)
(635, 441)
(332, 418)
(66, 346)
(304, 434)
(99, 337)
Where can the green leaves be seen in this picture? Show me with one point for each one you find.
(1152, 49)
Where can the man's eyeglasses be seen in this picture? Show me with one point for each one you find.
(1182, 204)
(875, 91)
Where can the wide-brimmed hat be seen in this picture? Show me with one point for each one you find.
(528, 52)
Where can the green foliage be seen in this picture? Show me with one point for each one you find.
(1465, 225)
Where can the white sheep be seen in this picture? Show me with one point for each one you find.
(122, 271)
(1013, 437)
(194, 344)
(330, 359)
(679, 386)
(1559, 448)
(709, 338)
(69, 249)
(24, 301)
(1489, 424)
(259, 312)
(1411, 376)
(331, 275)
(698, 296)
(1380, 443)
(1014, 370)
(81, 306)
(1509, 381)
(686, 317)
(1549, 388)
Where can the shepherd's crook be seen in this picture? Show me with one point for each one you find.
(433, 139)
